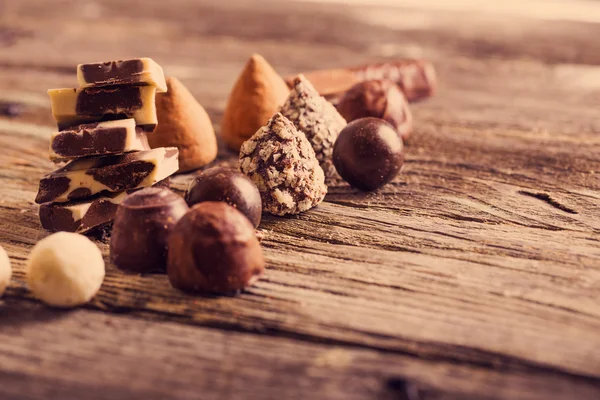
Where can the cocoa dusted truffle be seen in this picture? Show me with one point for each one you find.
(368, 153)
(379, 99)
(229, 186)
(317, 118)
(142, 223)
(282, 164)
(214, 249)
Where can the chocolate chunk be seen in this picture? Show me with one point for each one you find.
(97, 139)
(416, 78)
(111, 71)
(137, 71)
(55, 219)
(368, 153)
(80, 193)
(53, 187)
(76, 106)
(282, 164)
(84, 215)
(379, 99)
(213, 249)
(229, 186)
(101, 101)
(142, 224)
(88, 176)
(120, 177)
(317, 118)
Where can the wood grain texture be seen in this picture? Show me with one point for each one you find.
(476, 273)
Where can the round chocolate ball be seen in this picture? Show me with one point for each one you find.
(368, 153)
(214, 249)
(142, 224)
(229, 186)
(378, 99)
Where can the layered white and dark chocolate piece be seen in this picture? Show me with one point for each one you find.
(86, 177)
(78, 106)
(84, 215)
(133, 72)
(102, 130)
(97, 139)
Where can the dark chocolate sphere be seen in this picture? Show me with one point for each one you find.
(214, 249)
(142, 224)
(368, 153)
(378, 99)
(229, 186)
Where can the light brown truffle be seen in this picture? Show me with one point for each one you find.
(256, 96)
(316, 118)
(281, 162)
(183, 123)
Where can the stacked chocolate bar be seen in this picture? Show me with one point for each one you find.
(102, 129)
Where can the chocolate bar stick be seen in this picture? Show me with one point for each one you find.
(416, 78)
(79, 106)
(97, 139)
(84, 215)
(86, 177)
(137, 71)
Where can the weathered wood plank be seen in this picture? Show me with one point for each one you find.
(103, 356)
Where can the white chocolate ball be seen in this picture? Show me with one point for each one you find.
(65, 270)
(5, 270)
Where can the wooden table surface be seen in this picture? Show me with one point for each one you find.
(474, 275)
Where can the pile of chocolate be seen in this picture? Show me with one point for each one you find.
(102, 133)
(293, 140)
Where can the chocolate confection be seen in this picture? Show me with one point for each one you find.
(317, 118)
(84, 215)
(379, 99)
(416, 78)
(65, 270)
(368, 153)
(86, 177)
(77, 106)
(183, 123)
(257, 94)
(282, 164)
(97, 139)
(213, 249)
(136, 71)
(142, 224)
(229, 186)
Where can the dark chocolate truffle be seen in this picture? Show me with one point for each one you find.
(229, 186)
(142, 223)
(379, 99)
(368, 153)
(214, 249)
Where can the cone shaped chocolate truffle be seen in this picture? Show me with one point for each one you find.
(256, 96)
(316, 118)
(282, 164)
(183, 123)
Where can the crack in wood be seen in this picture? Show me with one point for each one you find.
(545, 197)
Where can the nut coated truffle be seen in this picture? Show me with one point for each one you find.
(379, 99)
(65, 270)
(229, 186)
(368, 153)
(282, 164)
(142, 223)
(214, 249)
(5, 271)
